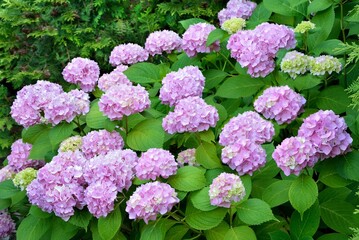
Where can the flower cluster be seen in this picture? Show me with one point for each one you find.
(294, 63)
(186, 82)
(151, 199)
(294, 154)
(326, 131)
(248, 125)
(6, 173)
(195, 38)
(101, 142)
(23, 178)
(280, 103)
(244, 156)
(114, 78)
(82, 71)
(128, 54)
(7, 224)
(256, 49)
(304, 27)
(187, 156)
(225, 189)
(236, 9)
(233, 25)
(123, 100)
(324, 64)
(162, 41)
(155, 163)
(71, 144)
(191, 114)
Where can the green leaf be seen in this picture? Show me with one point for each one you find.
(303, 193)
(156, 230)
(7, 189)
(60, 132)
(188, 22)
(62, 230)
(329, 47)
(279, 235)
(96, 120)
(188, 179)
(176, 232)
(240, 233)
(213, 77)
(201, 220)
(333, 193)
(216, 35)
(328, 174)
(81, 219)
(239, 86)
(32, 133)
(338, 215)
(260, 15)
(41, 146)
(305, 82)
(348, 165)
(254, 212)
(333, 98)
(145, 135)
(284, 7)
(333, 236)
(277, 193)
(183, 61)
(306, 225)
(32, 228)
(37, 212)
(206, 155)
(200, 200)
(109, 225)
(144, 72)
(207, 136)
(218, 232)
(5, 203)
(319, 5)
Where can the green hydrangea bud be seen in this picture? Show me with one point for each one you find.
(233, 25)
(322, 64)
(23, 178)
(304, 27)
(294, 63)
(71, 144)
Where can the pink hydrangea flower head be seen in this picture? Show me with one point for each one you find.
(82, 71)
(236, 9)
(280, 103)
(7, 225)
(294, 154)
(100, 143)
(128, 54)
(186, 82)
(191, 114)
(6, 173)
(120, 68)
(151, 199)
(124, 100)
(100, 198)
(244, 156)
(116, 167)
(162, 41)
(195, 38)
(81, 101)
(326, 131)
(187, 156)
(226, 189)
(31, 100)
(249, 125)
(108, 80)
(155, 162)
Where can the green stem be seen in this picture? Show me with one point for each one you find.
(227, 60)
(77, 122)
(344, 40)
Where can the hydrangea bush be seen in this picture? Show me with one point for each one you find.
(236, 129)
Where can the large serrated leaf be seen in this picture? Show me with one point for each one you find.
(109, 225)
(277, 193)
(32, 228)
(240, 233)
(254, 212)
(306, 225)
(206, 155)
(188, 179)
(239, 86)
(156, 230)
(333, 98)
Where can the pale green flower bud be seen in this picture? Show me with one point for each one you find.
(71, 144)
(23, 178)
(294, 63)
(322, 64)
(304, 27)
(233, 25)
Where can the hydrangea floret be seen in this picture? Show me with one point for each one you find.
(71, 144)
(236, 9)
(163, 41)
(324, 64)
(7, 224)
(114, 78)
(23, 178)
(187, 156)
(128, 54)
(304, 27)
(226, 189)
(294, 63)
(233, 25)
(6, 173)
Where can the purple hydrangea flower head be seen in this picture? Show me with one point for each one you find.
(294, 154)
(7, 225)
(128, 54)
(82, 71)
(155, 162)
(326, 131)
(225, 189)
(6, 173)
(100, 143)
(124, 100)
(187, 156)
(112, 79)
(151, 199)
(244, 156)
(163, 41)
(236, 9)
(248, 125)
(116, 167)
(186, 82)
(280, 103)
(100, 198)
(195, 38)
(31, 100)
(191, 114)
(120, 68)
